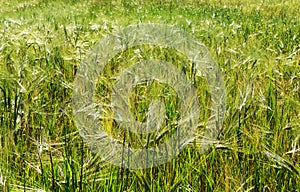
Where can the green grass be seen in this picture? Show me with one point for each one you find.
(255, 43)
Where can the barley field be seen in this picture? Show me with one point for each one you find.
(255, 43)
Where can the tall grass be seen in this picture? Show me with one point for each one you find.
(256, 44)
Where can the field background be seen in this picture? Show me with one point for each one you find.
(256, 43)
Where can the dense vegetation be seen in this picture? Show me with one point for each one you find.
(255, 43)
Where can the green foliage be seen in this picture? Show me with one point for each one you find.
(255, 43)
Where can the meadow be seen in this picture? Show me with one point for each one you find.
(256, 44)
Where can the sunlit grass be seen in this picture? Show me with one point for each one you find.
(255, 43)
